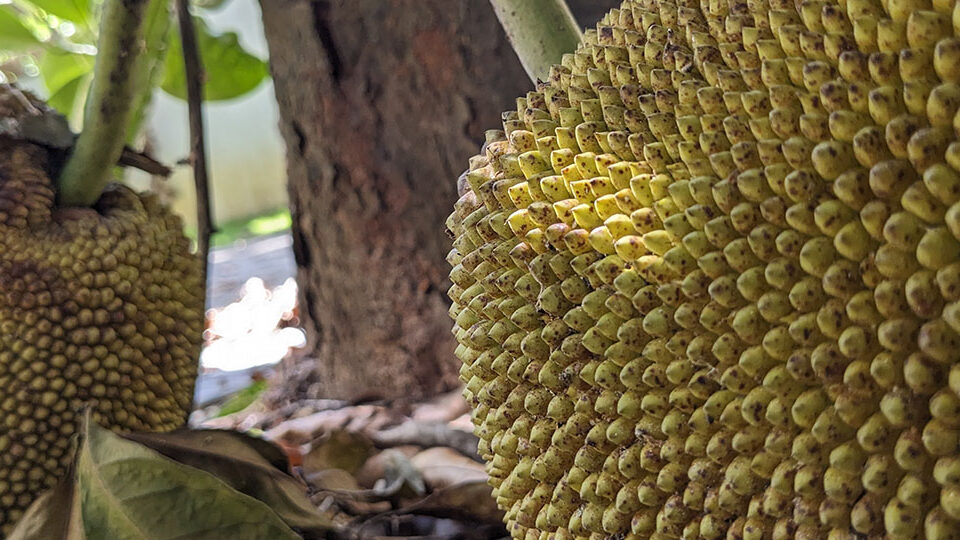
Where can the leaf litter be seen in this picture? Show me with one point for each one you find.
(299, 468)
(382, 469)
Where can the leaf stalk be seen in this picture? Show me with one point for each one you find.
(541, 32)
(109, 104)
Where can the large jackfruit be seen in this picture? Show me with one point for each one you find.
(706, 281)
(100, 308)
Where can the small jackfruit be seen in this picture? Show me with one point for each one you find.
(745, 298)
(101, 309)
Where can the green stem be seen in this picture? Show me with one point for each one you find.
(109, 104)
(156, 30)
(541, 32)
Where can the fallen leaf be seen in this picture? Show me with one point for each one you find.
(466, 501)
(306, 428)
(442, 408)
(128, 491)
(443, 467)
(428, 434)
(338, 449)
(467, 511)
(216, 441)
(332, 480)
(417, 526)
(400, 472)
(375, 467)
(250, 465)
(462, 422)
(292, 451)
(53, 515)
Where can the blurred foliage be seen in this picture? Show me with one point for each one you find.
(56, 40)
(242, 399)
(237, 71)
(232, 231)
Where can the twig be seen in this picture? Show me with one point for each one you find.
(141, 160)
(363, 495)
(271, 418)
(541, 32)
(193, 68)
(108, 107)
(428, 434)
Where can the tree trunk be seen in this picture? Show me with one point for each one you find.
(382, 102)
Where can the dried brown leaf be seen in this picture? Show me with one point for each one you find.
(338, 449)
(52, 516)
(442, 467)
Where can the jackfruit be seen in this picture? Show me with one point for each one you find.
(100, 308)
(706, 279)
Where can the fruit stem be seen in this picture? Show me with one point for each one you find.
(541, 32)
(109, 104)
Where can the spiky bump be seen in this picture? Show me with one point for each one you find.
(706, 279)
(100, 308)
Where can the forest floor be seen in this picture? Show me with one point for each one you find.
(379, 469)
(376, 469)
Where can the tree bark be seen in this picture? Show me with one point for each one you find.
(381, 104)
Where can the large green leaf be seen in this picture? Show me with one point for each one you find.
(230, 70)
(59, 68)
(249, 465)
(66, 76)
(13, 34)
(66, 98)
(128, 491)
(72, 10)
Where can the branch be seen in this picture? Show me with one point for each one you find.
(141, 160)
(108, 107)
(541, 32)
(428, 434)
(193, 68)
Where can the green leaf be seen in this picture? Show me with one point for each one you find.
(209, 4)
(128, 491)
(66, 76)
(60, 68)
(250, 465)
(66, 98)
(13, 34)
(72, 10)
(242, 398)
(230, 70)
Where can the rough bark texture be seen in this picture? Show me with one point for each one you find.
(382, 102)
